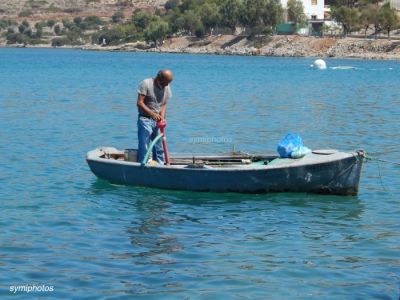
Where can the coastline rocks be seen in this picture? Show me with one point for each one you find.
(283, 46)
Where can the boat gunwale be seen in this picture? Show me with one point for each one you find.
(245, 168)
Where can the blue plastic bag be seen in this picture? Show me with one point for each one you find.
(292, 147)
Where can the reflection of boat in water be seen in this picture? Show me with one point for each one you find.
(325, 171)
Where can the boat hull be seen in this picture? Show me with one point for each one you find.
(334, 176)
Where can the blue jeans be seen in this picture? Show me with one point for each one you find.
(148, 131)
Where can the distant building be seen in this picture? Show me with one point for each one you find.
(314, 9)
(395, 4)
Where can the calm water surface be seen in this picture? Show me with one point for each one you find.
(62, 227)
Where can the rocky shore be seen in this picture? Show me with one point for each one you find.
(280, 46)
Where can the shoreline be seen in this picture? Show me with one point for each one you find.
(275, 46)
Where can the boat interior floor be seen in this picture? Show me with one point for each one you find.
(200, 161)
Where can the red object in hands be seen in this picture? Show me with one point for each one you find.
(162, 124)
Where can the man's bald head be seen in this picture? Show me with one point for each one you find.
(164, 77)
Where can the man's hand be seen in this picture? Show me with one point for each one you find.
(156, 117)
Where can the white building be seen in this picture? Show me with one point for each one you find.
(314, 9)
(395, 4)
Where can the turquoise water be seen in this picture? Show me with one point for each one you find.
(62, 227)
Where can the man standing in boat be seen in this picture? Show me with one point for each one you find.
(153, 95)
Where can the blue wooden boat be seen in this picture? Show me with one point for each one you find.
(322, 171)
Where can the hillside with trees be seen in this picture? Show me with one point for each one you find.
(116, 22)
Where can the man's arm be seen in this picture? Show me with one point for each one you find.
(141, 105)
(163, 110)
(164, 103)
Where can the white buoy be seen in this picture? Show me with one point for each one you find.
(319, 64)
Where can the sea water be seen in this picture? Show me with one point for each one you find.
(66, 234)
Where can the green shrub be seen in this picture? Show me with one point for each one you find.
(28, 32)
(83, 25)
(111, 36)
(74, 37)
(200, 31)
(117, 16)
(36, 4)
(171, 4)
(53, 8)
(38, 34)
(51, 23)
(72, 10)
(119, 34)
(142, 19)
(25, 13)
(37, 42)
(5, 23)
(77, 20)
(21, 28)
(156, 31)
(93, 20)
(17, 38)
(58, 42)
(57, 29)
(40, 25)
(68, 24)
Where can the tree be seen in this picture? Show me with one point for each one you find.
(51, 23)
(273, 14)
(117, 16)
(346, 3)
(25, 23)
(57, 29)
(28, 32)
(261, 16)
(189, 4)
(5, 23)
(190, 21)
(295, 10)
(172, 17)
(38, 34)
(209, 15)
(388, 18)
(117, 34)
(367, 17)
(40, 25)
(58, 42)
(229, 11)
(156, 31)
(77, 20)
(93, 22)
(142, 19)
(348, 17)
(365, 3)
(25, 13)
(17, 38)
(21, 28)
(171, 4)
